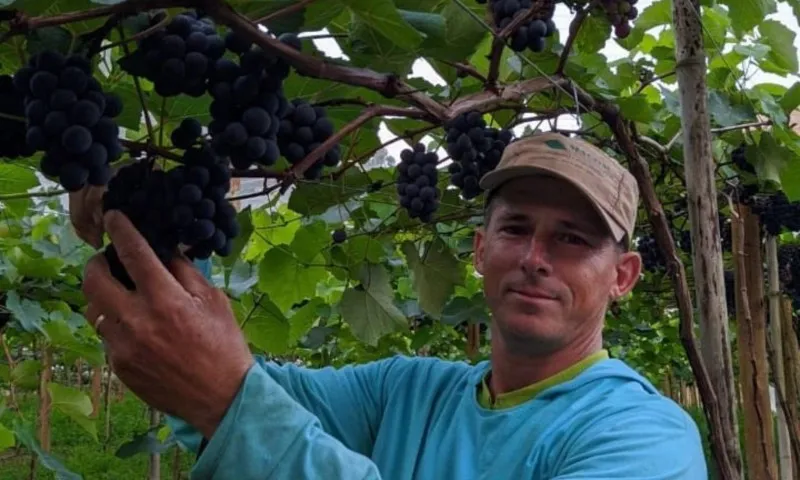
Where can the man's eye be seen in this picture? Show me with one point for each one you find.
(512, 229)
(574, 239)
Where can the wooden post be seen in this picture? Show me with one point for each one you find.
(784, 442)
(751, 324)
(791, 362)
(703, 216)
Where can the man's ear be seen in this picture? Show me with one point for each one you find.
(477, 246)
(629, 268)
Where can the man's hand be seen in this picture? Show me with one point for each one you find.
(174, 341)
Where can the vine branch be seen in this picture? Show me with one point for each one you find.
(574, 28)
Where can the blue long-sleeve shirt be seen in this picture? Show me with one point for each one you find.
(422, 418)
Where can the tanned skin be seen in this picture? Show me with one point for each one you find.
(550, 268)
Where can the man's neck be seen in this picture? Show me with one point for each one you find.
(514, 371)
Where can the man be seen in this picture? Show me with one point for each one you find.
(550, 404)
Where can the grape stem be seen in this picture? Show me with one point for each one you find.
(150, 149)
(139, 35)
(574, 28)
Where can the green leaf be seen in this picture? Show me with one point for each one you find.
(265, 325)
(593, 34)
(6, 438)
(462, 309)
(780, 38)
(286, 279)
(369, 309)
(53, 38)
(145, 443)
(310, 240)
(636, 108)
(656, 14)
(29, 314)
(16, 179)
(746, 15)
(791, 99)
(383, 17)
(74, 404)
(435, 274)
(50, 462)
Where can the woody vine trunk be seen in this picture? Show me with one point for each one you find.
(703, 218)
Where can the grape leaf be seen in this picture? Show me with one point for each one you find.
(265, 326)
(383, 17)
(29, 314)
(780, 38)
(286, 279)
(74, 404)
(746, 15)
(369, 309)
(435, 274)
(6, 438)
(23, 433)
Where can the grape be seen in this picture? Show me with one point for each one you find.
(475, 149)
(13, 132)
(185, 205)
(652, 260)
(339, 236)
(532, 33)
(302, 129)
(177, 58)
(69, 118)
(187, 133)
(619, 13)
(417, 182)
(248, 104)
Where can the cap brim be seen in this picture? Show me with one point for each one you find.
(496, 178)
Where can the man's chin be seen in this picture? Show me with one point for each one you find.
(532, 333)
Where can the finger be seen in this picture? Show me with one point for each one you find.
(188, 275)
(102, 290)
(140, 261)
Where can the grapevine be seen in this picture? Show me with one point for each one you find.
(652, 259)
(70, 118)
(417, 182)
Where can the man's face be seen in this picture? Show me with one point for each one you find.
(549, 265)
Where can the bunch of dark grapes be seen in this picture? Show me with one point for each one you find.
(620, 13)
(303, 128)
(531, 34)
(475, 149)
(417, 182)
(178, 59)
(12, 132)
(775, 212)
(185, 205)
(652, 260)
(248, 103)
(70, 118)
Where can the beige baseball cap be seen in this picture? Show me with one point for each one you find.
(609, 186)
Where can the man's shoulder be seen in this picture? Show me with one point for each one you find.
(612, 390)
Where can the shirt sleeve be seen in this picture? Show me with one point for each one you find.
(658, 442)
(267, 434)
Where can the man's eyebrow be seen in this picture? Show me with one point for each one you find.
(579, 226)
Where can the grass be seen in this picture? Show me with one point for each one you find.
(80, 453)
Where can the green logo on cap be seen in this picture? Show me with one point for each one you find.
(555, 144)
